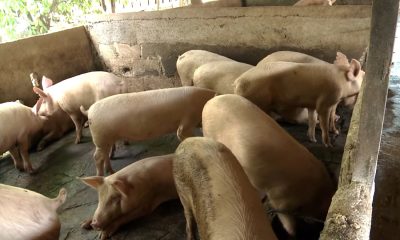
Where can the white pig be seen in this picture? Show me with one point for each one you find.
(55, 126)
(219, 75)
(295, 182)
(144, 115)
(188, 62)
(27, 215)
(131, 193)
(19, 125)
(317, 87)
(216, 194)
(71, 93)
(300, 115)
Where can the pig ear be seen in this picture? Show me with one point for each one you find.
(354, 70)
(94, 181)
(341, 59)
(46, 82)
(40, 92)
(121, 187)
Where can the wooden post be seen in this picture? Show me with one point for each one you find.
(350, 213)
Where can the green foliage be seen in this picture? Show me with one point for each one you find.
(23, 18)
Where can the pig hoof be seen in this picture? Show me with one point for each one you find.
(30, 171)
(86, 224)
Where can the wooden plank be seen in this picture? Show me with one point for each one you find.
(350, 213)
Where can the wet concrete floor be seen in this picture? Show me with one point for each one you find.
(62, 162)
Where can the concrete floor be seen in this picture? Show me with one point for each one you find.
(60, 163)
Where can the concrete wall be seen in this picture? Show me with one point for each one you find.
(148, 43)
(291, 2)
(58, 55)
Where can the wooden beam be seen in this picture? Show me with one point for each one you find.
(350, 213)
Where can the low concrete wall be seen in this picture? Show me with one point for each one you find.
(291, 2)
(149, 43)
(57, 55)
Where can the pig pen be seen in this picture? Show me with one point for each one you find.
(143, 48)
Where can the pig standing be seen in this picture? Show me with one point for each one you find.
(188, 62)
(295, 182)
(55, 126)
(317, 87)
(19, 125)
(300, 115)
(216, 193)
(81, 90)
(27, 215)
(144, 115)
(130, 193)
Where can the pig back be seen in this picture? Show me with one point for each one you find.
(225, 204)
(188, 62)
(27, 215)
(289, 56)
(273, 160)
(219, 75)
(142, 115)
(86, 89)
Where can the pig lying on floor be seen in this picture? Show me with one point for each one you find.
(295, 182)
(216, 193)
(27, 215)
(19, 125)
(142, 116)
(130, 193)
(317, 87)
(70, 94)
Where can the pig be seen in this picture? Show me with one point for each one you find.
(300, 115)
(189, 61)
(294, 181)
(70, 94)
(216, 194)
(131, 193)
(54, 127)
(142, 116)
(318, 87)
(219, 75)
(28, 215)
(315, 2)
(19, 126)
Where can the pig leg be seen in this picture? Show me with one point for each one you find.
(86, 224)
(23, 150)
(324, 114)
(100, 156)
(332, 121)
(16, 158)
(185, 130)
(78, 122)
(288, 223)
(312, 123)
(107, 166)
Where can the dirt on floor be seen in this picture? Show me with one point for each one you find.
(63, 162)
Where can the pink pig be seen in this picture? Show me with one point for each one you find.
(19, 125)
(131, 193)
(70, 94)
(27, 215)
